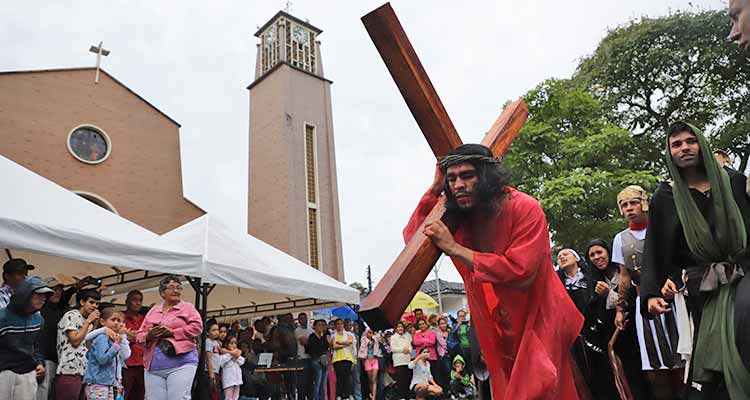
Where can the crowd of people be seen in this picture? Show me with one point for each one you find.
(96, 350)
(343, 359)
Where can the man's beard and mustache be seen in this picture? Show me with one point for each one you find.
(688, 160)
(462, 196)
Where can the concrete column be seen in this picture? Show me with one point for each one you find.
(258, 62)
(318, 60)
(282, 42)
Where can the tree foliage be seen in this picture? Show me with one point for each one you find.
(575, 162)
(360, 287)
(603, 129)
(652, 72)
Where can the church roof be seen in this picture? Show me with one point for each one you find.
(306, 24)
(92, 69)
(430, 287)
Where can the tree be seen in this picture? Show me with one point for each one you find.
(651, 72)
(362, 289)
(571, 158)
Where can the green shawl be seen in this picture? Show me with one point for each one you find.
(715, 349)
(731, 237)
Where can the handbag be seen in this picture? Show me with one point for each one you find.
(167, 348)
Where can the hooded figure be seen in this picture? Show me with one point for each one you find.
(706, 235)
(20, 326)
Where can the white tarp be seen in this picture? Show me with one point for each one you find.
(64, 234)
(39, 216)
(248, 271)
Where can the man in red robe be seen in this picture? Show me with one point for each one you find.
(524, 319)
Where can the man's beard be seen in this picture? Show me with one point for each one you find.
(697, 161)
(466, 209)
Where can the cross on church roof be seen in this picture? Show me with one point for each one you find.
(100, 51)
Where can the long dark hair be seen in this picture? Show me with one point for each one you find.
(493, 177)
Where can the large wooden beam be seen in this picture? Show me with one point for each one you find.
(399, 56)
(385, 305)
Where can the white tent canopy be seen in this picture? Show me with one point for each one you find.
(254, 275)
(44, 218)
(64, 234)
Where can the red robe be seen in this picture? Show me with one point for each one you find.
(525, 334)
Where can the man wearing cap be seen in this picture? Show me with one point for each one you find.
(722, 157)
(14, 272)
(657, 338)
(21, 322)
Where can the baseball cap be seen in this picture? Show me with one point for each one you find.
(17, 265)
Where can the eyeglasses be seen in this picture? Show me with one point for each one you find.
(173, 287)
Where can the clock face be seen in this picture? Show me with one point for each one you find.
(300, 35)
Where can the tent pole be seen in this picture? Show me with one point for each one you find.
(204, 312)
(196, 284)
(199, 291)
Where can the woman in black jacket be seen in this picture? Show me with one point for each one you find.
(599, 324)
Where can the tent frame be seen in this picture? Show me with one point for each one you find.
(202, 290)
(269, 307)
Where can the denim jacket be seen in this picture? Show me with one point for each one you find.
(104, 361)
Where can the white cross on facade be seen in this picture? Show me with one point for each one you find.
(100, 51)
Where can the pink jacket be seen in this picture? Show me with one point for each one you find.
(363, 347)
(182, 319)
(428, 340)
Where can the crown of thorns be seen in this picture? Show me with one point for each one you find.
(454, 159)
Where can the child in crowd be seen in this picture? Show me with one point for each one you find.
(106, 356)
(461, 385)
(213, 358)
(422, 382)
(231, 371)
(370, 353)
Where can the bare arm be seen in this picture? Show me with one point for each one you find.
(209, 365)
(76, 337)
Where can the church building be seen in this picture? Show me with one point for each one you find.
(88, 132)
(293, 194)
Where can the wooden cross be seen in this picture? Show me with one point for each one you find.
(100, 51)
(385, 305)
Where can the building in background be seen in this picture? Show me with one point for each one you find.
(293, 194)
(100, 140)
(453, 294)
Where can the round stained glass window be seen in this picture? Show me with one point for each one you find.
(89, 145)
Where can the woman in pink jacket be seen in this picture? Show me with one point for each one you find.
(169, 334)
(425, 338)
(369, 351)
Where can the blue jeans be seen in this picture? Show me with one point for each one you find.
(319, 380)
(356, 373)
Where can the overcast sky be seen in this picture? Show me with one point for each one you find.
(194, 59)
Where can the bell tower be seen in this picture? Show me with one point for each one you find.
(293, 194)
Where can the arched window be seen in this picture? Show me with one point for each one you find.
(98, 200)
